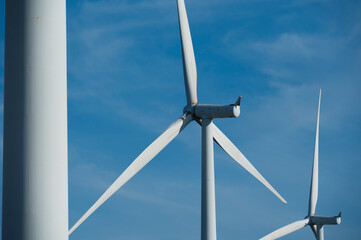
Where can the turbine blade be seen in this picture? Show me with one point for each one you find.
(148, 154)
(314, 230)
(314, 178)
(233, 151)
(286, 229)
(189, 62)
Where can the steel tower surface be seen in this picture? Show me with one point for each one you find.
(35, 179)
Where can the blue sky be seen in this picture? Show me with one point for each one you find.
(125, 86)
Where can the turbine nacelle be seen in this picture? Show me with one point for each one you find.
(321, 220)
(214, 111)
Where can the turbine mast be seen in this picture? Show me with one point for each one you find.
(208, 208)
(320, 234)
(35, 184)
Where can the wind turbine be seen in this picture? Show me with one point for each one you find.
(203, 114)
(315, 222)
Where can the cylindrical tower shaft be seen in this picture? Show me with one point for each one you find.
(320, 233)
(208, 211)
(35, 179)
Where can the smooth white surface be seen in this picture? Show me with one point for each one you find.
(189, 62)
(148, 154)
(233, 151)
(286, 230)
(208, 213)
(314, 178)
(35, 180)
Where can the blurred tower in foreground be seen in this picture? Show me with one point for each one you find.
(35, 179)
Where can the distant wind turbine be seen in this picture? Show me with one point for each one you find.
(315, 222)
(203, 114)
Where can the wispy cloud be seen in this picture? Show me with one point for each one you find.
(288, 47)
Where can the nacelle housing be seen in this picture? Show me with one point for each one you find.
(216, 111)
(325, 220)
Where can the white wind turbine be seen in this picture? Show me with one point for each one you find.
(315, 222)
(203, 114)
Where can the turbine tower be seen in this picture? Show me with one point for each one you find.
(204, 115)
(35, 178)
(315, 222)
